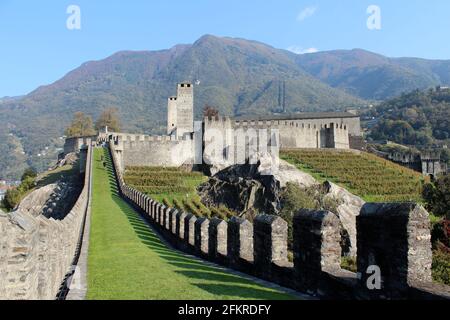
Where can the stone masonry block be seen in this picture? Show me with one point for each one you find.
(240, 240)
(202, 235)
(396, 238)
(218, 234)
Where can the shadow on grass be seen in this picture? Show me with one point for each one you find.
(210, 279)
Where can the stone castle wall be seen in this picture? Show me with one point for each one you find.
(294, 134)
(395, 237)
(353, 124)
(261, 137)
(74, 145)
(36, 253)
(164, 151)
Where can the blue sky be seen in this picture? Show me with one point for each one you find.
(37, 48)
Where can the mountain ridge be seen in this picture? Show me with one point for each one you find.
(239, 77)
(354, 71)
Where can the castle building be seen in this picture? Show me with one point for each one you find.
(184, 143)
(180, 120)
(427, 163)
(172, 116)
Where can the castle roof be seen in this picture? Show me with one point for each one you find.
(300, 116)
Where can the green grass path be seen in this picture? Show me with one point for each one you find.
(128, 261)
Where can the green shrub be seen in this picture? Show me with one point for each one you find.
(14, 196)
(203, 209)
(166, 203)
(216, 213)
(349, 263)
(177, 204)
(437, 196)
(293, 199)
(12, 199)
(192, 208)
(29, 173)
(441, 266)
(27, 184)
(226, 212)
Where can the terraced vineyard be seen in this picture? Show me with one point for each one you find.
(372, 178)
(175, 188)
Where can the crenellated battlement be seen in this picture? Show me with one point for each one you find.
(300, 131)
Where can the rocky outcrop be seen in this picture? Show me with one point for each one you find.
(348, 209)
(242, 189)
(247, 189)
(289, 173)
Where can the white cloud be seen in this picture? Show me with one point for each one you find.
(306, 13)
(301, 50)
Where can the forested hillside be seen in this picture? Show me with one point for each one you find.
(419, 118)
(238, 77)
(372, 76)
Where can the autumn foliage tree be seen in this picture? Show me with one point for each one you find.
(81, 126)
(108, 118)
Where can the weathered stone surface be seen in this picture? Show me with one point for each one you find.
(242, 188)
(218, 234)
(240, 240)
(36, 251)
(173, 221)
(35, 202)
(158, 213)
(154, 210)
(181, 216)
(202, 235)
(190, 234)
(167, 220)
(270, 241)
(348, 209)
(162, 216)
(317, 250)
(148, 206)
(257, 188)
(396, 238)
(289, 173)
(316, 246)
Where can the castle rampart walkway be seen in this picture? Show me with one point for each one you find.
(127, 260)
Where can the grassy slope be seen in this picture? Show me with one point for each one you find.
(128, 261)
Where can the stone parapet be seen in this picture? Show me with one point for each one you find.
(37, 253)
(394, 237)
